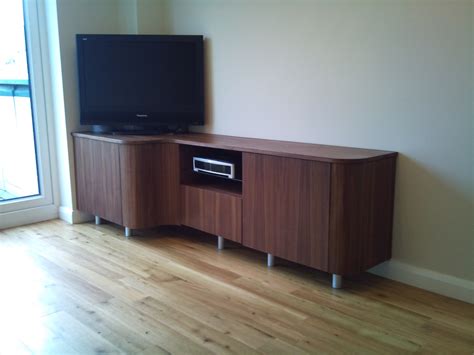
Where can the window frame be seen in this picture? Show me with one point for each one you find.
(21, 210)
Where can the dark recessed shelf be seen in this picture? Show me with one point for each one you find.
(208, 181)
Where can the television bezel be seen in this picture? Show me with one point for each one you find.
(112, 118)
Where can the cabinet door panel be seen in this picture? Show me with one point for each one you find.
(98, 179)
(150, 184)
(197, 209)
(361, 215)
(212, 212)
(286, 208)
(229, 217)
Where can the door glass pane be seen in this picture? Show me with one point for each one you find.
(18, 165)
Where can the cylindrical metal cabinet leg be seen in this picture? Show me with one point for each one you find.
(128, 232)
(336, 281)
(270, 260)
(98, 220)
(220, 242)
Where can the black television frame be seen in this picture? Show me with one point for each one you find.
(134, 120)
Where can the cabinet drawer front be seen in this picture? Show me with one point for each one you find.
(286, 208)
(212, 212)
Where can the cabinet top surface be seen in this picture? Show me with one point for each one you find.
(307, 151)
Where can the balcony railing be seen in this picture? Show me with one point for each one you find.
(18, 170)
(14, 88)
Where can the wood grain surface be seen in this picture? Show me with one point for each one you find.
(150, 184)
(318, 152)
(286, 208)
(98, 186)
(212, 212)
(335, 217)
(84, 289)
(361, 215)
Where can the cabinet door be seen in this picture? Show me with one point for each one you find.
(286, 208)
(361, 215)
(98, 178)
(212, 212)
(150, 184)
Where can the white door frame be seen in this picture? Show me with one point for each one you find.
(43, 206)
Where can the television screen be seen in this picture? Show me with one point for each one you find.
(141, 80)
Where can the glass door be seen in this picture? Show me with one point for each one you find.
(25, 176)
(18, 167)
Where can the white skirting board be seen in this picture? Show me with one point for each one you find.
(71, 216)
(436, 282)
(28, 216)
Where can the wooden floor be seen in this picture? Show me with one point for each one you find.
(86, 289)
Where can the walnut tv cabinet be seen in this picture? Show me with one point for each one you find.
(326, 207)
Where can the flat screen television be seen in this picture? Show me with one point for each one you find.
(140, 80)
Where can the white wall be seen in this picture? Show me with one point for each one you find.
(75, 17)
(152, 17)
(127, 11)
(394, 75)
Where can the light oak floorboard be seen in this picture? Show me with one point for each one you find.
(85, 289)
